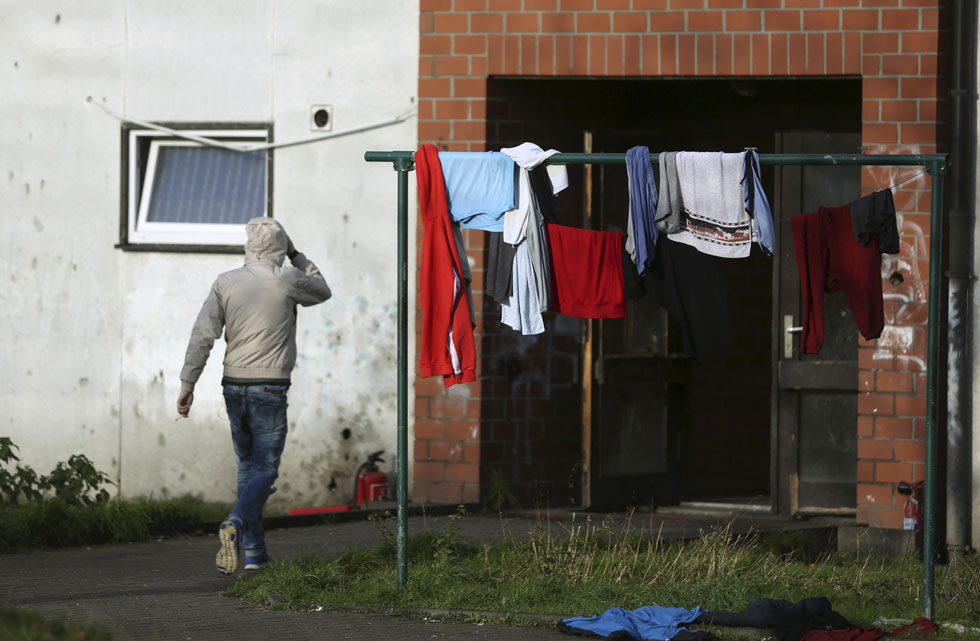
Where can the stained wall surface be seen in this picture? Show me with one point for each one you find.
(94, 336)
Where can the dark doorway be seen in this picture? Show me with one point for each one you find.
(657, 428)
(639, 382)
(666, 428)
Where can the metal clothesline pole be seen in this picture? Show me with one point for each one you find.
(935, 164)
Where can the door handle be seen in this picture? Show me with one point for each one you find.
(599, 374)
(788, 331)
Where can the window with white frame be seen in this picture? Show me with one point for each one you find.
(188, 193)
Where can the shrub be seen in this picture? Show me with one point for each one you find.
(71, 506)
(76, 482)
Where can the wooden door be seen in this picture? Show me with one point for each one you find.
(814, 396)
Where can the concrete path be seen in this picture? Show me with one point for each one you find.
(168, 590)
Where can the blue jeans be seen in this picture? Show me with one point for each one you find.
(258, 429)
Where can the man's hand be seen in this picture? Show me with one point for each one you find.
(184, 402)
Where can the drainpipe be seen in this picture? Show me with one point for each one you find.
(960, 370)
(974, 174)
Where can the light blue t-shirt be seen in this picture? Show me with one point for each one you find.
(480, 186)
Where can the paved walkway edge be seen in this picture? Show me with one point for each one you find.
(544, 620)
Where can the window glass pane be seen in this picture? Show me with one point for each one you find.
(207, 185)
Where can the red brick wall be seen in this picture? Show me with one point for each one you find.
(448, 430)
(894, 45)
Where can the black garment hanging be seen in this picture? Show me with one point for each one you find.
(543, 192)
(632, 282)
(500, 266)
(874, 215)
(689, 285)
(500, 255)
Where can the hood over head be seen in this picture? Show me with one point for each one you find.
(266, 241)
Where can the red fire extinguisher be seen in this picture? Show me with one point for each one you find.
(370, 484)
(913, 505)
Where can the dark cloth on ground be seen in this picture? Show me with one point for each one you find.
(790, 620)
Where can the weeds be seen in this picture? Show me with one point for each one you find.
(21, 625)
(584, 567)
(52, 523)
(382, 521)
(498, 496)
(586, 553)
(70, 506)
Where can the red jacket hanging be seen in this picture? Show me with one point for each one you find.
(830, 260)
(448, 348)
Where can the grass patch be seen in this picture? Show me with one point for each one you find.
(52, 522)
(22, 625)
(583, 568)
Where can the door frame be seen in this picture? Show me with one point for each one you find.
(789, 377)
(586, 355)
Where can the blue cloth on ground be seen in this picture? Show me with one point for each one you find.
(643, 205)
(756, 203)
(650, 622)
(480, 186)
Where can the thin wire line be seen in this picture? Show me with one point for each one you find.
(892, 187)
(261, 147)
(908, 179)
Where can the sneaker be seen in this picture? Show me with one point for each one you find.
(258, 561)
(230, 536)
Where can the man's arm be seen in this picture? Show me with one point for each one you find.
(207, 328)
(308, 286)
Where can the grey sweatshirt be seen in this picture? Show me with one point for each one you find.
(256, 306)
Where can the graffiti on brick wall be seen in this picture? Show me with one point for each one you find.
(905, 287)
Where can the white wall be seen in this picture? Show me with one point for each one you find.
(94, 336)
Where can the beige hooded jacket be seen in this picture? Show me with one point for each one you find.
(256, 306)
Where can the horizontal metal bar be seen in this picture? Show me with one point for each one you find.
(388, 156)
(939, 160)
(773, 159)
(853, 159)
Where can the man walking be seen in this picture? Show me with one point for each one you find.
(256, 306)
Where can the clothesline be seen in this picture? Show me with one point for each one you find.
(710, 204)
(244, 148)
(900, 182)
(913, 176)
(937, 166)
